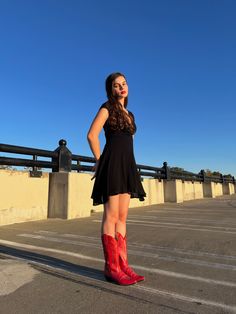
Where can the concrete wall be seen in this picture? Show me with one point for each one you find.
(173, 191)
(192, 190)
(155, 193)
(218, 188)
(68, 195)
(232, 189)
(22, 198)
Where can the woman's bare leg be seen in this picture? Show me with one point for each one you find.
(110, 215)
(124, 200)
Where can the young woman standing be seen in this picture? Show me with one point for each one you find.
(116, 177)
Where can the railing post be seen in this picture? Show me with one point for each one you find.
(63, 159)
(35, 173)
(78, 164)
(222, 178)
(167, 171)
(203, 174)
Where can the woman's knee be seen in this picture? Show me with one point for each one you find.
(123, 217)
(111, 217)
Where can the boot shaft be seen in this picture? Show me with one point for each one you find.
(111, 255)
(122, 247)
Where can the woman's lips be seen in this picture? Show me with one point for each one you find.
(123, 92)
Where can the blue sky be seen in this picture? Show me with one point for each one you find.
(178, 57)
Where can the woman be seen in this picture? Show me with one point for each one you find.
(116, 177)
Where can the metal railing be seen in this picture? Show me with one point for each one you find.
(62, 160)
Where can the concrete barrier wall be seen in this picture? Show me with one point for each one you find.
(228, 188)
(198, 190)
(192, 190)
(68, 195)
(22, 198)
(232, 189)
(218, 188)
(173, 191)
(155, 193)
(188, 191)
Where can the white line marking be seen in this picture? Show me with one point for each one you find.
(145, 246)
(152, 270)
(181, 211)
(184, 276)
(71, 235)
(160, 225)
(180, 224)
(46, 232)
(59, 240)
(182, 251)
(137, 253)
(230, 308)
(44, 249)
(179, 228)
(169, 218)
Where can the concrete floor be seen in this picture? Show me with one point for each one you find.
(187, 253)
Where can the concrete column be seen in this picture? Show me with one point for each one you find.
(225, 187)
(58, 195)
(173, 191)
(69, 195)
(231, 189)
(155, 192)
(208, 189)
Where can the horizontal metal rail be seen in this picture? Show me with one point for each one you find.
(26, 163)
(62, 159)
(27, 151)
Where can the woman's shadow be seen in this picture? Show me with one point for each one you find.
(54, 266)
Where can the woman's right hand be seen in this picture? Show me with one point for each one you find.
(95, 167)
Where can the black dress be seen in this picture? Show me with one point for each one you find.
(117, 171)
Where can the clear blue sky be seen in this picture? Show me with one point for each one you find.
(178, 56)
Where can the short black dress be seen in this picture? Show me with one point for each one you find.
(117, 170)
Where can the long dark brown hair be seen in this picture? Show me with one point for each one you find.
(118, 119)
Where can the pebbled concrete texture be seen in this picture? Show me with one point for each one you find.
(14, 274)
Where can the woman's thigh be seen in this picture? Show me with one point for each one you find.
(111, 207)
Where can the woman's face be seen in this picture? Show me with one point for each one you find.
(120, 87)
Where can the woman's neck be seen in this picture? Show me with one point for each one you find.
(122, 102)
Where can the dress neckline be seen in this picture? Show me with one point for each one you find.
(129, 116)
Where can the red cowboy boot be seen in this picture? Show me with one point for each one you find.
(122, 251)
(112, 269)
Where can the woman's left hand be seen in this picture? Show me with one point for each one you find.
(95, 167)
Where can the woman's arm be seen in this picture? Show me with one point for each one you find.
(94, 131)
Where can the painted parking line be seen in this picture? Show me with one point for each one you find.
(169, 258)
(191, 211)
(232, 229)
(168, 226)
(226, 307)
(145, 246)
(140, 253)
(170, 218)
(167, 294)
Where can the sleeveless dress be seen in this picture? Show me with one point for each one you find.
(117, 171)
